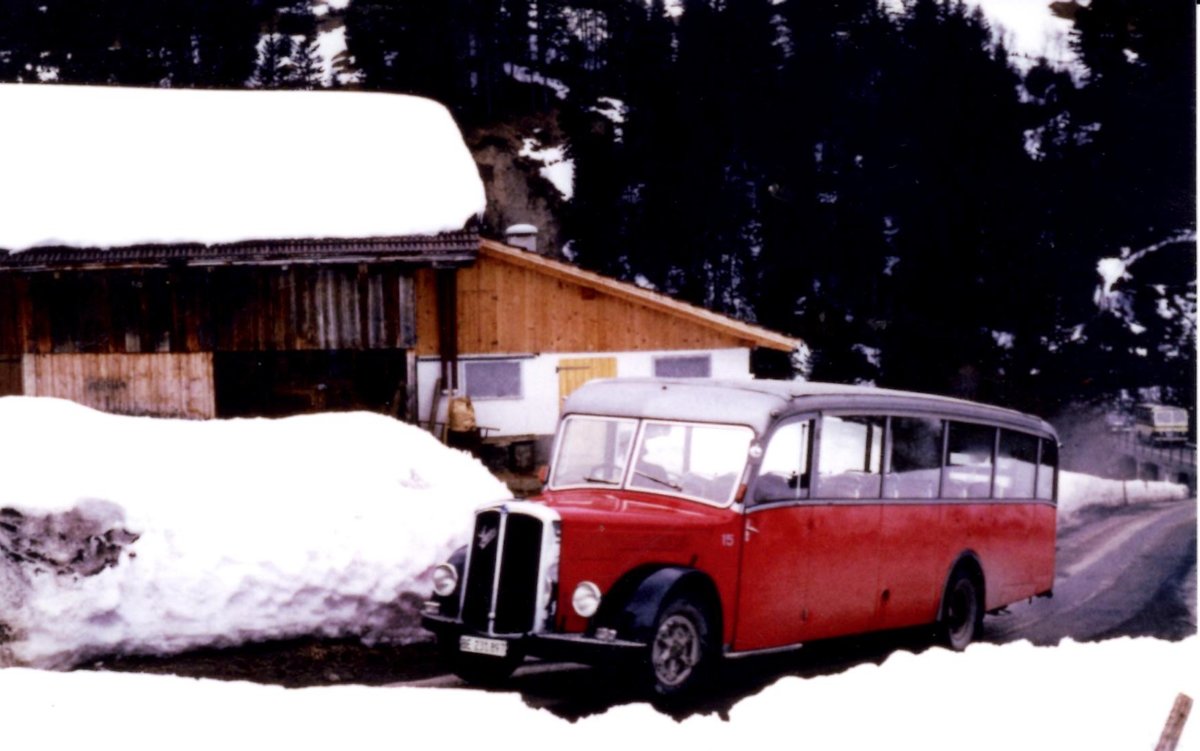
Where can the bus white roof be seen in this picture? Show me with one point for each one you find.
(756, 403)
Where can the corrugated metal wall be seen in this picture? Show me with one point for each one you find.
(164, 385)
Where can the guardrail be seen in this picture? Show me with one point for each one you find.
(1178, 454)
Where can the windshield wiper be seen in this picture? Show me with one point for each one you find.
(659, 480)
(602, 480)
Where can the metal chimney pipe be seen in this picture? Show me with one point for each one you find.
(522, 236)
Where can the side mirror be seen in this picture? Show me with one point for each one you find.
(543, 473)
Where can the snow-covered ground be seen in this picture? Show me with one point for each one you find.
(1111, 695)
(1079, 491)
(141, 535)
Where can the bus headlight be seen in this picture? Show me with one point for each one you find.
(586, 599)
(445, 579)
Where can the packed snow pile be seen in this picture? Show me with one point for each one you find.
(101, 166)
(1111, 695)
(1079, 491)
(142, 535)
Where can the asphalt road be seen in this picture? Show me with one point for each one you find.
(1127, 571)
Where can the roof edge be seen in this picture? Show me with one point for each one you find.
(751, 333)
(458, 247)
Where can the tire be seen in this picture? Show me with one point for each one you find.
(681, 652)
(479, 670)
(961, 620)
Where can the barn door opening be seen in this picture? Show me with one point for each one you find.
(573, 372)
(276, 384)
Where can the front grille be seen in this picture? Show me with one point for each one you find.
(513, 542)
(477, 603)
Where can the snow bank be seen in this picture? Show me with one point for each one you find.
(141, 535)
(103, 167)
(1078, 491)
(1115, 694)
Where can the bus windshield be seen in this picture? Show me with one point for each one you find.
(699, 461)
(1170, 416)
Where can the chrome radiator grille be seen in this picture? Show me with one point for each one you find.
(504, 572)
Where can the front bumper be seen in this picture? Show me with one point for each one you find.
(588, 650)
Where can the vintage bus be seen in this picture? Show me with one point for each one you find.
(1158, 423)
(688, 521)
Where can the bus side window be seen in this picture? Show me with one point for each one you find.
(1046, 466)
(1016, 464)
(914, 468)
(784, 473)
(969, 449)
(850, 457)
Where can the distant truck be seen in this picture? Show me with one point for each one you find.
(1119, 422)
(1159, 424)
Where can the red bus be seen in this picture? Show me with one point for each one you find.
(688, 521)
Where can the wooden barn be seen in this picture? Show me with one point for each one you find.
(221, 331)
(224, 253)
(527, 330)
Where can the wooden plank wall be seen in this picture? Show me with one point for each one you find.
(10, 375)
(504, 308)
(164, 385)
(233, 309)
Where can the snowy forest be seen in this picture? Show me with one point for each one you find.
(884, 180)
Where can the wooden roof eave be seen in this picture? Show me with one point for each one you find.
(439, 261)
(447, 250)
(747, 334)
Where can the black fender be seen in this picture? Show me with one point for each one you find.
(634, 602)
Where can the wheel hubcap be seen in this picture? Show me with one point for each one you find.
(676, 650)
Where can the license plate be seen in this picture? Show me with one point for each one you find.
(476, 645)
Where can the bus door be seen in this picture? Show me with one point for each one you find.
(770, 608)
(913, 543)
(843, 536)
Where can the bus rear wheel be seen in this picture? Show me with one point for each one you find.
(961, 620)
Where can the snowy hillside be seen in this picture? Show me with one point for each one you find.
(141, 535)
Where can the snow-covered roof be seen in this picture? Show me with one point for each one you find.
(96, 166)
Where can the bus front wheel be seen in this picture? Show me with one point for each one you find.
(681, 651)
